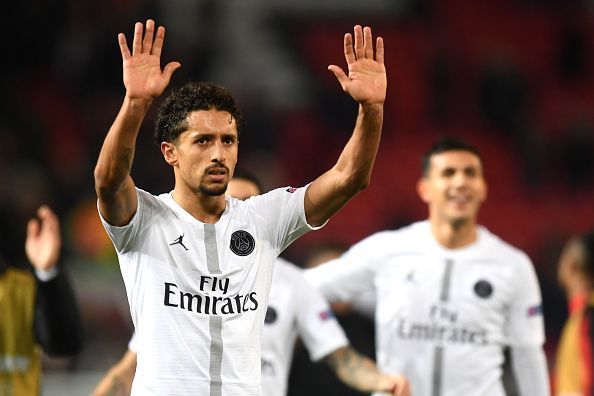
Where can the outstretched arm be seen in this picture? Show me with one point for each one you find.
(360, 372)
(366, 83)
(144, 80)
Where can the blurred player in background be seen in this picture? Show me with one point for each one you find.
(451, 297)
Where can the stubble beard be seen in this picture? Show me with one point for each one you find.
(214, 191)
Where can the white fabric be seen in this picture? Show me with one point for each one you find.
(198, 307)
(437, 329)
(295, 309)
(529, 370)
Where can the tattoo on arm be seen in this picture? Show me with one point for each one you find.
(354, 369)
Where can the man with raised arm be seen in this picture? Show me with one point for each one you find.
(197, 265)
(295, 309)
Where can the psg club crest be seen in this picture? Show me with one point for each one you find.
(242, 243)
(483, 289)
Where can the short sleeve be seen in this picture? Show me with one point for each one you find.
(283, 210)
(318, 328)
(123, 237)
(526, 323)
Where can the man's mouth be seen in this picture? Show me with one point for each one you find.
(460, 200)
(217, 174)
(217, 171)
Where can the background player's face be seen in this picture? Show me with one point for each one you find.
(242, 189)
(204, 156)
(454, 187)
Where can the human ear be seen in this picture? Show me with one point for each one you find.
(423, 189)
(169, 153)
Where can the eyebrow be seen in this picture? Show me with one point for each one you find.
(467, 168)
(196, 134)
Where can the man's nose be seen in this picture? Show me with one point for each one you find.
(460, 179)
(217, 152)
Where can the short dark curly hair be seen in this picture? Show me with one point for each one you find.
(172, 117)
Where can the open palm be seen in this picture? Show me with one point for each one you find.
(143, 77)
(366, 80)
(43, 239)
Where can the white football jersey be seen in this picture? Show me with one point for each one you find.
(295, 308)
(198, 292)
(442, 316)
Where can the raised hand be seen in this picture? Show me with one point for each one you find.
(43, 239)
(366, 80)
(143, 77)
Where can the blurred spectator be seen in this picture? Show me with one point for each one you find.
(37, 311)
(574, 373)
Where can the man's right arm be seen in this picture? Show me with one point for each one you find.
(144, 81)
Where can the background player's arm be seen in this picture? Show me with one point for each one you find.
(366, 83)
(144, 81)
(526, 333)
(361, 373)
(529, 369)
(58, 327)
(118, 380)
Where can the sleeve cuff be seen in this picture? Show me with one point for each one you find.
(46, 276)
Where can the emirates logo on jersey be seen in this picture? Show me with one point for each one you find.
(242, 243)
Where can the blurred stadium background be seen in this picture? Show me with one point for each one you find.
(513, 77)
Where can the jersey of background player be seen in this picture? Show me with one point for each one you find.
(198, 292)
(295, 309)
(442, 315)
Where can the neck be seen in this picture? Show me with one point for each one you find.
(207, 209)
(578, 288)
(454, 234)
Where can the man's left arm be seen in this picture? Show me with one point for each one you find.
(526, 334)
(366, 83)
(58, 326)
(529, 370)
